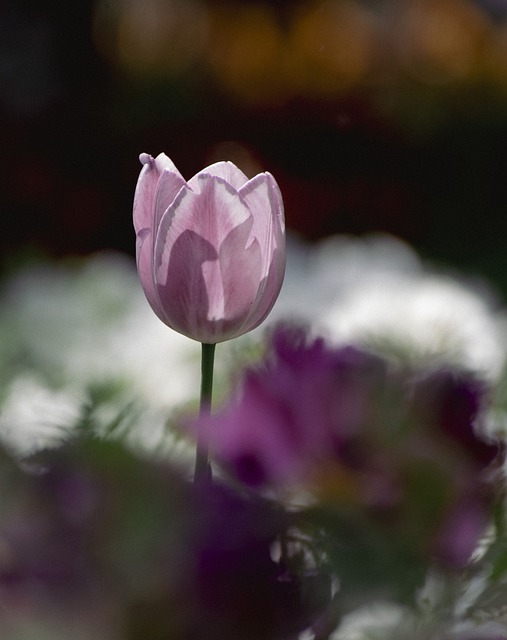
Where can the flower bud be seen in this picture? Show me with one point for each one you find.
(210, 251)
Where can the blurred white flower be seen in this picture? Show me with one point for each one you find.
(379, 620)
(376, 291)
(91, 324)
(34, 417)
(72, 330)
(87, 327)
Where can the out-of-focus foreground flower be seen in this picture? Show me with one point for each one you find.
(210, 251)
(361, 475)
(396, 446)
(98, 543)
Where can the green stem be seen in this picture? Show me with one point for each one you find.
(202, 468)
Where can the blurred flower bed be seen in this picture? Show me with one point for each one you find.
(78, 336)
(382, 516)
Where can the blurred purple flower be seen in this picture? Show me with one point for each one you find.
(453, 403)
(462, 527)
(296, 410)
(399, 446)
(238, 589)
(98, 530)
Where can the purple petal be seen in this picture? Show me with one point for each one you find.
(144, 256)
(254, 435)
(296, 413)
(212, 210)
(262, 196)
(454, 402)
(264, 200)
(227, 171)
(147, 183)
(268, 291)
(462, 529)
(169, 185)
(205, 274)
(181, 286)
(240, 270)
(149, 190)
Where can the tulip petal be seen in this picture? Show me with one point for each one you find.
(212, 210)
(262, 196)
(147, 186)
(168, 188)
(144, 258)
(197, 232)
(143, 198)
(227, 171)
(181, 286)
(215, 291)
(269, 228)
(241, 273)
(268, 291)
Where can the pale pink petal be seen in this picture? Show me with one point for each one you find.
(146, 188)
(231, 283)
(168, 188)
(189, 237)
(181, 287)
(262, 196)
(164, 162)
(144, 256)
(212, 275)
(269, 289)
(143, 224)
(264, 200)
(212, 211)
(228, 171)
(144, 196)
(241, 273)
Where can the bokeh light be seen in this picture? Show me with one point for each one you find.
(246, 53)
(263, 54)
(333, 46)
(442, 42)
(152, 37)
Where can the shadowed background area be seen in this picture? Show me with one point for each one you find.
(373, 116)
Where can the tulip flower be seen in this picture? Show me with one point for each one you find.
(210, 251)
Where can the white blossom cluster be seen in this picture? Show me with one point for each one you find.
(78, 339)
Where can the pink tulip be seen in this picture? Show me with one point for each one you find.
(210, 251)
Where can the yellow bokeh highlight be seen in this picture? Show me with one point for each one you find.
(332, 45)
(246, 53)
(260, 55)
(152, 37)
(441, 41)
(495, 58)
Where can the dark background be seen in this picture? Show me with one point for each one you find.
(373, 116)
